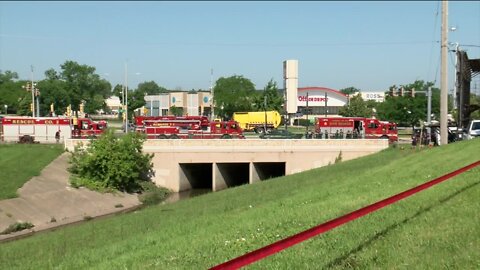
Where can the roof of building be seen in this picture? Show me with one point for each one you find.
(308, 88)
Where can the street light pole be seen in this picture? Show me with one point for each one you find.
(444, 74)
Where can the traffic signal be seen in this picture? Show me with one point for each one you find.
(145, 111)
(69, 110)
(51, 108)
(124, 116)
(31, 107)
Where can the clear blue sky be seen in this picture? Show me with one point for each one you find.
(368, 45)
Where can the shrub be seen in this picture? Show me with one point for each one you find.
(111, 163)
(152, 194)
(17, 226)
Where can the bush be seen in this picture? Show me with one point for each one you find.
(303, 122)
(111, 163)
(17, 226)
(152, 194)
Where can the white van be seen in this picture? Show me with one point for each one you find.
(473, 129)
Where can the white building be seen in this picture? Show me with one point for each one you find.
(194, 104)
(114, 104)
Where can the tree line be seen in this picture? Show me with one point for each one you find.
(75, 84)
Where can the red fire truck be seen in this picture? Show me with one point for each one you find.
(173, 129)
(355, 127)
(87, 128)
(189, 122)
(44, 129)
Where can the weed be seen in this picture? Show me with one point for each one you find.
(338, 159)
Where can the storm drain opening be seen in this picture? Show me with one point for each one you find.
(233, 174)
(198, 175)
(268, 170)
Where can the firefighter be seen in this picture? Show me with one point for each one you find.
(57, 136)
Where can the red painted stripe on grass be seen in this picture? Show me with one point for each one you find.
(278, 246)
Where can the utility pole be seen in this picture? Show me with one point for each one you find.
(326, 110)
(443, 75)
(33, 93)
(126, 98)
(212, 113)
(429, 112)
(265, 110)
(308, 122)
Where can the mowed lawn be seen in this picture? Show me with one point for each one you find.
(20, 162)
(435, 229)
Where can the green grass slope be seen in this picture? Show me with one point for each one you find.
(20, 162)
(437, 228)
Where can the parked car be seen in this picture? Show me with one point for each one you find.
(473, 130)
(280, 134)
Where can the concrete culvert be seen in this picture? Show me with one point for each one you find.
(197, 175)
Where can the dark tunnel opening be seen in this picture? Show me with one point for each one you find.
(199, 175)
(234, 174)
(267, 170)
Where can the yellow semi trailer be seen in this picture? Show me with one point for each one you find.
(257, 121)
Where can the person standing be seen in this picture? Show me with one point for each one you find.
(57, 136)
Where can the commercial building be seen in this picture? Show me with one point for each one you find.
(191, 103)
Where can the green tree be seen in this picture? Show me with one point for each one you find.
(112, 163)
(350, 90)
(53, 91)
(136, 97)
(118, 91)
(475, 104)
(407, 110)
(356, 107)
(83, 85)
(233, 94)
(176, 111)
(150, 88)
(274, 100)
(13, 95)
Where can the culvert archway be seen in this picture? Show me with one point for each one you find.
(267, 170)
(231, 175)
(196, 175)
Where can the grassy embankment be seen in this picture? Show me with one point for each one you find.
(20, 162)
(435, 229)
